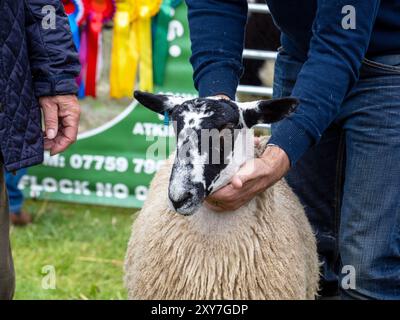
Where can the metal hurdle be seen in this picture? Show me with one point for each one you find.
(257, 55)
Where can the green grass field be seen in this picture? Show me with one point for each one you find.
(84, 244)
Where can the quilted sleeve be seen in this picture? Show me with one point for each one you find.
(53, 57)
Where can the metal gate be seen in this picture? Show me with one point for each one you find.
(257, 55)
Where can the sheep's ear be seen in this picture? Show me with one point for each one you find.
(267, 111)
(159, 103)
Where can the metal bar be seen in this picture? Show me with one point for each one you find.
(264, 126)
(254, 90)
(259, 54)
(258, 8)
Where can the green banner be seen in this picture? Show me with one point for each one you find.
(114, 163)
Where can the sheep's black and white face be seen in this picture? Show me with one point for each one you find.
(213, 141)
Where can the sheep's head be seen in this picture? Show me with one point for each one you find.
(213, 141)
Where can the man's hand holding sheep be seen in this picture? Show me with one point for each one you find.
(254, 177)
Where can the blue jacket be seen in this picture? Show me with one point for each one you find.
(313, 33)
(35, 61)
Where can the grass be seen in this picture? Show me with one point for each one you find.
(84, 244)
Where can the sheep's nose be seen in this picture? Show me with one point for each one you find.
(179, 203)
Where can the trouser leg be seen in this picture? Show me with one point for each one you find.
(16, 196)
(317, 179)
(369, 238)
(7, 278)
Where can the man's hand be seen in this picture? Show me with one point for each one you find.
(222, 96)
(61, 118)
(254, 177)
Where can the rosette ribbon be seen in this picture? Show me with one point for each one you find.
(98, 12)
(75, 11)
(161, 44)
(146, 9)
(125, 53)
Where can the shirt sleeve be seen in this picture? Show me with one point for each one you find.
(331, 70)
(217, 34)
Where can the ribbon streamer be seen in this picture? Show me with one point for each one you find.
(132, 46)
(83, 60)
(76, 11)
(124, 55)
(98, 12)
(161, 44)
(147, 9)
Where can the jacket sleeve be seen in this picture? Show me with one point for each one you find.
(53, 57)
(331, 70)
(217, 34)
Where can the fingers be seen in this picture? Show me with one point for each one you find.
(254, 177)
(213, 207)
(50, 113)
(250, 170)
(67, 117)
(216, 201)
(237, 183)
(229, 198)
(223, 195)
(48, 144)
(66, 137)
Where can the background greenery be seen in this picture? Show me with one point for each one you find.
(85, 244)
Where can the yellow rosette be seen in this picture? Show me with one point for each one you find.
(125, 50)
(146, 10)
(132, 46)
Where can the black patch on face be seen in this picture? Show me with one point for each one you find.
(221, 112)
(219, 115)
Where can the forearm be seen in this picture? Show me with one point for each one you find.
(332, 68)
(53, 57)
(217, 35)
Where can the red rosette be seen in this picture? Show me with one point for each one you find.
(69, 6)
(76, 8)
(106, 8)
(97, 12)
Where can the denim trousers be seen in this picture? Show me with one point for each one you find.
(349, 183)
(16, 197)
(7, 278)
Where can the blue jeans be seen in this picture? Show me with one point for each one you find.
(16, 197)
(349, 182)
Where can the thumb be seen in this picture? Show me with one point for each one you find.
(246, 173)
(50, 112)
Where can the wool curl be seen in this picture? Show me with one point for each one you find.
(264, 251)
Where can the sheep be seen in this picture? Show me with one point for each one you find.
(179, 249)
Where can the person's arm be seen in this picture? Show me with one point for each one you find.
(217, 34)
(55, 65)
(334, 59)
(332, 68)
(53, 57)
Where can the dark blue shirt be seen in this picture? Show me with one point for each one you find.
(312, 31)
